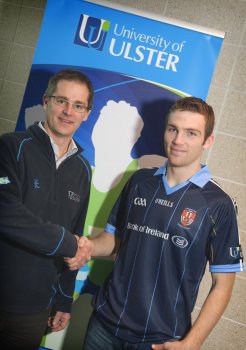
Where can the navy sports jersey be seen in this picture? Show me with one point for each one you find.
(167, 236)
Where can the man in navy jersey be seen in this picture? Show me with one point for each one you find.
(164, 228)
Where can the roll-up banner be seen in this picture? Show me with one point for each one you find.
(139, 64)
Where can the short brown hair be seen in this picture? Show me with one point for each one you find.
(195, 104)
(70, 75)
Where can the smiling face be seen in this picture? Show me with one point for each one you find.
(62, 121)
(184, 139)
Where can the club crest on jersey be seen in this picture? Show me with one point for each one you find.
(188, 216)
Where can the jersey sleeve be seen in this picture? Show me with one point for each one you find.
(120, 211)
(225, 253)
(117, 216)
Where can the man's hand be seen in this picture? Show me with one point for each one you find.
(173, 345)
(59, 321)
(82, 256)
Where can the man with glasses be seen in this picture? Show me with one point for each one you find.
(44, 194)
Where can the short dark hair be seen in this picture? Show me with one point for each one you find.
(195, 104)
(70, 75)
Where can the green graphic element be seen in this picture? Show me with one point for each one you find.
(106, 26)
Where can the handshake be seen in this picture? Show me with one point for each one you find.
(83, 254)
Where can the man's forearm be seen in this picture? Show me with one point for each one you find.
(212, 309)
(105, 244)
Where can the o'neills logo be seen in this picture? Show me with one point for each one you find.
(188, 216)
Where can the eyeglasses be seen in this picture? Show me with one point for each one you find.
(76, 106)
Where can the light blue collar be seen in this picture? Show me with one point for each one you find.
(200, 178)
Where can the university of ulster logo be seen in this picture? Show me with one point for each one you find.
(75, 197)
(91, 32)
(236, 252)
(188, 216)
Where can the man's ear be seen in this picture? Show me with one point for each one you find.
(45, 101)
(86, 116)
(209, 141)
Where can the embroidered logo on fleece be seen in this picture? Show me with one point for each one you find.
(36, 183)
(4, 180)
(75, 197)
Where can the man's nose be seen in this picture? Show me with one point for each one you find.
(68, 108)
(179, 138)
